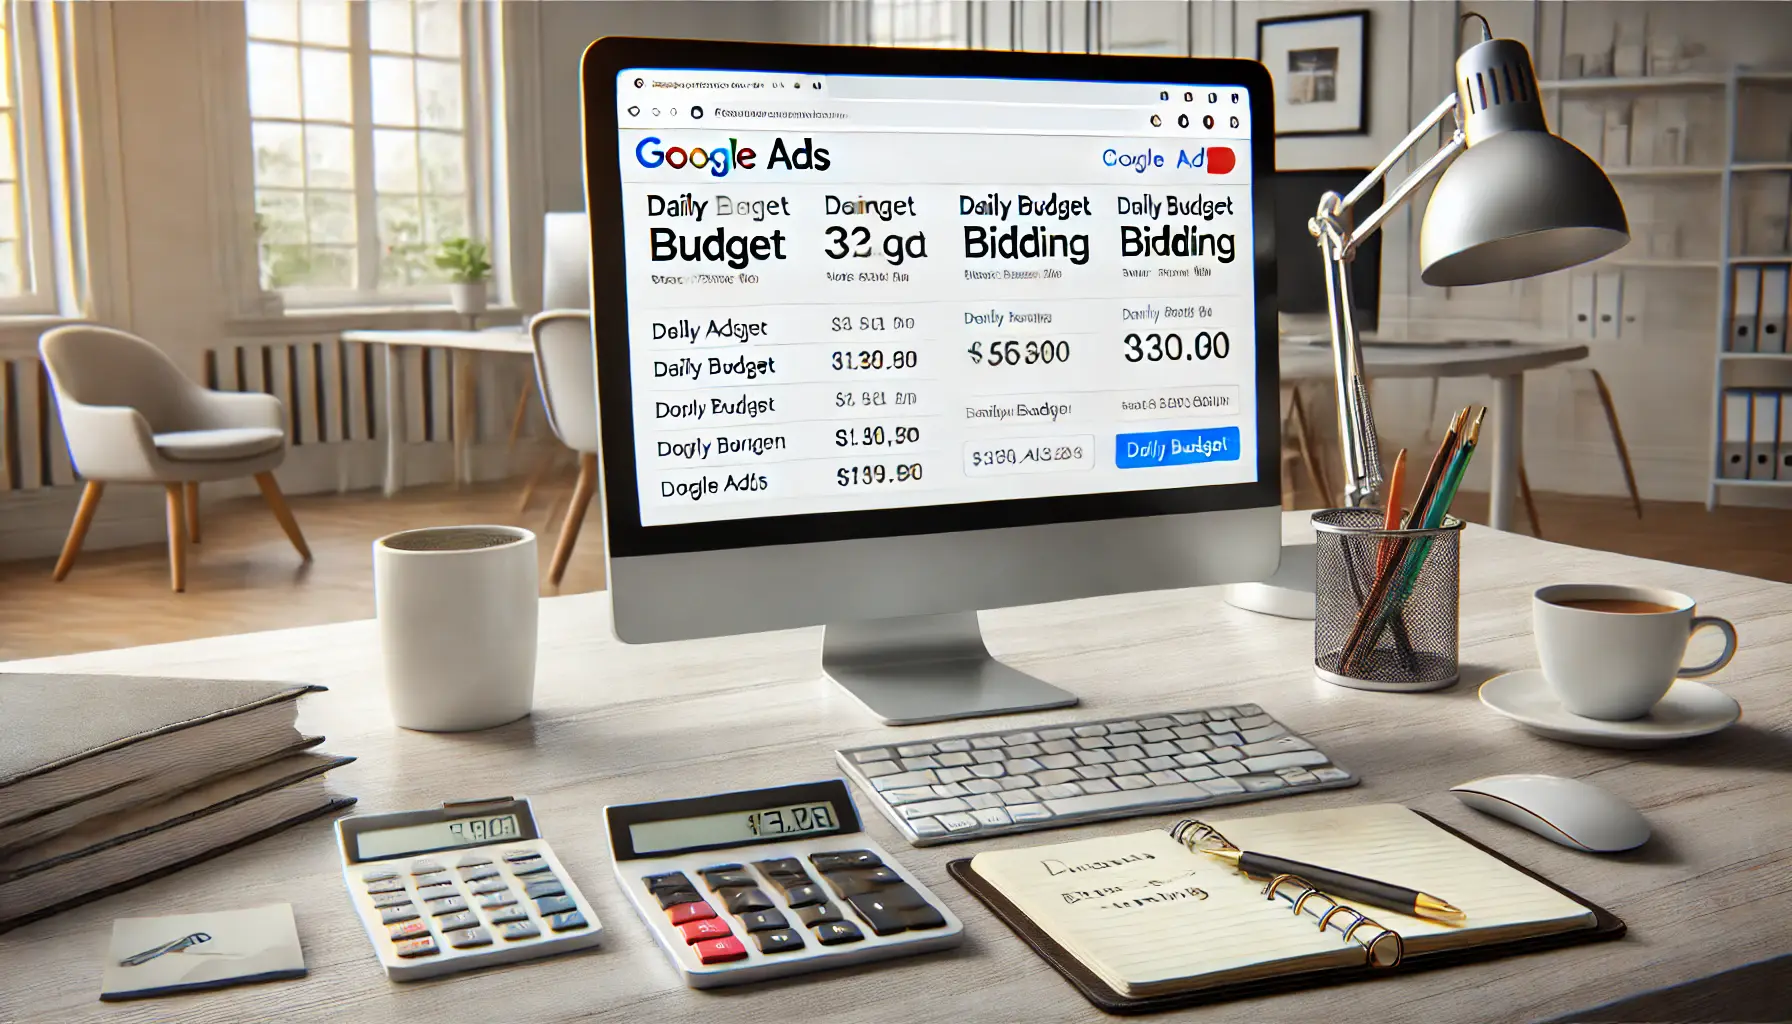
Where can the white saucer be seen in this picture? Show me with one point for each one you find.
(1689, 709)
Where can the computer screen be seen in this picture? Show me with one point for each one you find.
(1300, 271)
(864, 292)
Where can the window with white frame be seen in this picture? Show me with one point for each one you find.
(364, 141)
(929, 23)
(30, 104)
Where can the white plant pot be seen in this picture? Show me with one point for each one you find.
(457, 610)
(468, 297)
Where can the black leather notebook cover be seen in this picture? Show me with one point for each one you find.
(1606, 926)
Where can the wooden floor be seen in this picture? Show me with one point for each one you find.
(246, 577)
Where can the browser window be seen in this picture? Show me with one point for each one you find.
(875, 292)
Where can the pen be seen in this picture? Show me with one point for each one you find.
(1336, 883)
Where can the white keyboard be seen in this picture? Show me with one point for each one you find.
(973, 786)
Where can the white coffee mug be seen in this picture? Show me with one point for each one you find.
(1616, 664)
(457, 611)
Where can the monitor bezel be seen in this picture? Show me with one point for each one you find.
(627, 537)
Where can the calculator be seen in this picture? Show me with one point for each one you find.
(740, 887)
(465, 885)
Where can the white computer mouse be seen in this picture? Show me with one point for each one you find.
(1567, 811)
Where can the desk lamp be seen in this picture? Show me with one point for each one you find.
(1513, 201)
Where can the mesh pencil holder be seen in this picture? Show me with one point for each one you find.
(1410, 582)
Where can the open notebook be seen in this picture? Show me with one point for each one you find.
(1148, 917)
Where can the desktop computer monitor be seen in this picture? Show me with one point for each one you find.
(1300, 269)
(887, 336)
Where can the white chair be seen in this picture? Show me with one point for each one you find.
(132, 417)
(566, 364)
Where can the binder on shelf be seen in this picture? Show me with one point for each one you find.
(1784, 449)
(1580, 306)
(1772, 336)
(1745, 311)
(1734, 456)
(1608, 300)
(1763, 434)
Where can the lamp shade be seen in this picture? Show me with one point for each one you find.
(1518, 201)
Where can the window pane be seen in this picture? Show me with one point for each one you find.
(389, 25)
(438, 94)
(330, 267)
(394, 92)
(395, 161)
(9, 211)
(279, 154)
(330, 156)
(273, 80)
(405, 257)
(12, 273)
(283, 266)
(9, 168)
(444, 160)
(272, 19)
(331, 217)
(280, 217)
(438, 27)
(325, 21)
(327, 86)
(444, 217)
(5, 73)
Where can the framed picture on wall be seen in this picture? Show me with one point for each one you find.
(1320, 65)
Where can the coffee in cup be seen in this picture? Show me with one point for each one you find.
(1611, 651)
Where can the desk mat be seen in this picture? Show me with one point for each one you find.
(1606, 927)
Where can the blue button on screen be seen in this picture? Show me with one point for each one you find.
(1176, 447)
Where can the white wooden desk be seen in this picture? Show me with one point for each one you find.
(506, 341)
(615, 723)
(1506, 364)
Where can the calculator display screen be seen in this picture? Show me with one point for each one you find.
(437, 835)
(735, 827)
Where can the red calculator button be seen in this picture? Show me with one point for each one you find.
(684, 913)
(720, 951)
(696, 931)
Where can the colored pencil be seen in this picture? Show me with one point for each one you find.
(1391, 519)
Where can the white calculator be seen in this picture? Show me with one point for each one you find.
(745, 886)
(469, 884)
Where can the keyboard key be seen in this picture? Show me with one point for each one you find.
(1054, 776)
(393, 915)
(670, 880)
(1189, 732)
(1016, 796)
(1247, 709)
(803, 895)
(533, 866)
(983, 786)
(821, 913)
(516, 930)
(874, 754)
(1094, 771)
(1017, 782)
(1222, 787)
(521, 853)
(1124, 798)
(825, 862)
(407, 930)
(992, 816)
(951, 775)
(1157, 736)
(1297, 776)
(1228, 739)
(506, 915)
(1094, 757)
(946, 790)
(1190, 717)
(898, 797)
(1029, 812)
(441, 890)
(1058, 792)
(1191, 760)
(1160, 764)
(904, 780)
(1053, 734)
(478, 874)
(1098, 786)
(912, 764)
(1157, 723)
(988, 756)
(728, 879)
(570, 921)
(922, 918)
(1292, 759)
(1258, 735)
(1279, 745)
(916, 749)
(1093, 743)
(1231, 768)
(450, 905)
(1059, 746)
(543, 888)
(957, 822)
(1091, 730)
(505, 898)
(1193, 745)
(1015, 739)
(709, 928)
(740, 901)
(982, 801)
(927, 828)
(988, 771)
(778, 942)
(423, 946)
(1225, 754)
(433, 878)
(385, 886)
(488, 887)
(1261, 783)
(782, 866)
(381, 875)
(879, 768)
(391, 899)
(1198, 773)
(986, 742)
(876, 912)
(1163, 749)
(1056, 761)
(1330, 774)
(473, 860)
(931, 808)
(426, 867)
(1022, 766)
(763, 921)
(1115, 728)
(835, 933)
(685, 913)
(1163, 778)
(555, 905)
(955, 760)
(1218, 726)
(1127, 753)
(720, 951)
(953, 746)
(1128, 767)
(457, 922)
(1132, 781)
(673, 897)
(1025, 750)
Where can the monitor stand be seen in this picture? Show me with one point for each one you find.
(1287, 593)
(929, 668)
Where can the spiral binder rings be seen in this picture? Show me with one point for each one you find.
(1384, 945)
(1141, 923)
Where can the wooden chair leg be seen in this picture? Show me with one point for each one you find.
(1611, 418)
(1304, 437)
(192, 500)
(575, 516)
(1530, 503)
(535, 475)
(77, 531)
(521, 414)
(270, 490)
(177, 537)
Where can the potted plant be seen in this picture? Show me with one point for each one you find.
(466, 263)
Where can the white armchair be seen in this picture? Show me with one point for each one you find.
(132, 417)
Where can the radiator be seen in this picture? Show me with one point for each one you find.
(33, 455)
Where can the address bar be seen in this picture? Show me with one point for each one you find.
(942, 116)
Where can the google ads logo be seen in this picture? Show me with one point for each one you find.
(719, 160)
(1216, 159)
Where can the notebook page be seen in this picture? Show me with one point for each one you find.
(1393, 844)
(1146, 915)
